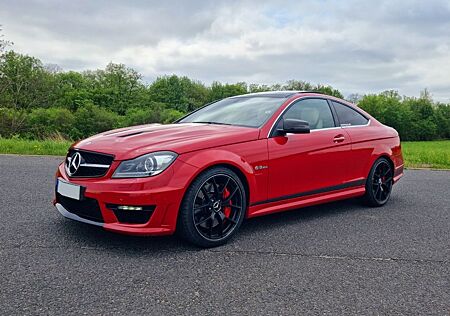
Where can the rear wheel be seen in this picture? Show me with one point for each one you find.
(379, 183)
(213, 208)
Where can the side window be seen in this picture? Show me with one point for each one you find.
(347, 116)
(315, 111)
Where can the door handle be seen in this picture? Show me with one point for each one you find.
(338, 138)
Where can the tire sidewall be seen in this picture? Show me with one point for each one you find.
(370, 198)
(186, 226)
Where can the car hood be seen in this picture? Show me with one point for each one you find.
(130, 142)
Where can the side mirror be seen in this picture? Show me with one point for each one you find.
(293, 126)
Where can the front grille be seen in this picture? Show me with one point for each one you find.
(132, 217)
(87, 164)
(87, 208)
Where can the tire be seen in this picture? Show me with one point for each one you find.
(379, 183)
(213, 208)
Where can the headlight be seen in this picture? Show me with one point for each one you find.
(145, 166)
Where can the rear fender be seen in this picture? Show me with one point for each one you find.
(391, 150)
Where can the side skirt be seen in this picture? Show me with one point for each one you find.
(303, 201)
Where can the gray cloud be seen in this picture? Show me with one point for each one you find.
(356, 46)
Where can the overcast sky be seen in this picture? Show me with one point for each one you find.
(355, 46)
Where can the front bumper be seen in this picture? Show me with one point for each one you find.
(161, 194)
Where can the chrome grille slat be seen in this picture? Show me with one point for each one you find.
(93, 165)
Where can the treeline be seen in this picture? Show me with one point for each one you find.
(413, 118)
(41, 101)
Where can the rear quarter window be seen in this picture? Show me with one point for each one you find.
(348, 116)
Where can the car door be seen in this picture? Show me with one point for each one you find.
(303, 164)
(363, 138)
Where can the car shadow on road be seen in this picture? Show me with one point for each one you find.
(92, 237)
(310, 213)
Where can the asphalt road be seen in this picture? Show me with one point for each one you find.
(339, 258)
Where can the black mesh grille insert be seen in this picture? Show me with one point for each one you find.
(87, 208)
(92, 164)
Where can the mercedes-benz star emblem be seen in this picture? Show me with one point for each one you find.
(74, 163)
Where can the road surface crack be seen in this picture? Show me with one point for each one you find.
(331, 257)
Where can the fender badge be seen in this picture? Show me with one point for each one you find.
(260, 167)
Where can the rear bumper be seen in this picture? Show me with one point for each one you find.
(397, 158)
(398, 173)
(161, 194)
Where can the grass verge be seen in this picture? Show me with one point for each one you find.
(34, 147)
(433, 154)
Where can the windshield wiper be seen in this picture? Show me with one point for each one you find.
(215, 123)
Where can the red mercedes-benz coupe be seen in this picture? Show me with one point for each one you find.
(237, 158)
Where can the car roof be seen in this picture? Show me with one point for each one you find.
(274, 94)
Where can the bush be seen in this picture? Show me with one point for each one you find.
(180, 93)
(91, 119)
(46, 123)
(37, 102)
(12, 122)
(413, 118)
(151, 114)
(155, 114)
(442, 119)
(170, 115)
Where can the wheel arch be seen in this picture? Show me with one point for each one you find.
(207, 160)
(238, 171)
(380, 150)
(241, 176)
(389, 159)
(375, 158)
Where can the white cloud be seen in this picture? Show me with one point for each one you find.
(353, 45)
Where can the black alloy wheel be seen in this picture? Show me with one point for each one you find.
(213, 208)
(379, 183)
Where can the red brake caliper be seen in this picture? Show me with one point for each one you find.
(227, 209)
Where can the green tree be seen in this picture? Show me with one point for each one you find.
(152, 113)
(38, 101)
(71, 90)
(180, 93)
(116, 88)
(328, 90)
(421, 123)
(387, 107)
(298, 85)
(171, 115)
(91, 119)
(414, 118)
(220, 91)
(24, 83)
(442, 120)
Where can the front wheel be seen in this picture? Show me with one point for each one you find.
(213, 208)
(379, 183)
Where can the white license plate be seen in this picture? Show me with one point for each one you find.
(69, 190)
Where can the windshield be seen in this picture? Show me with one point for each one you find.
(243, 111)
